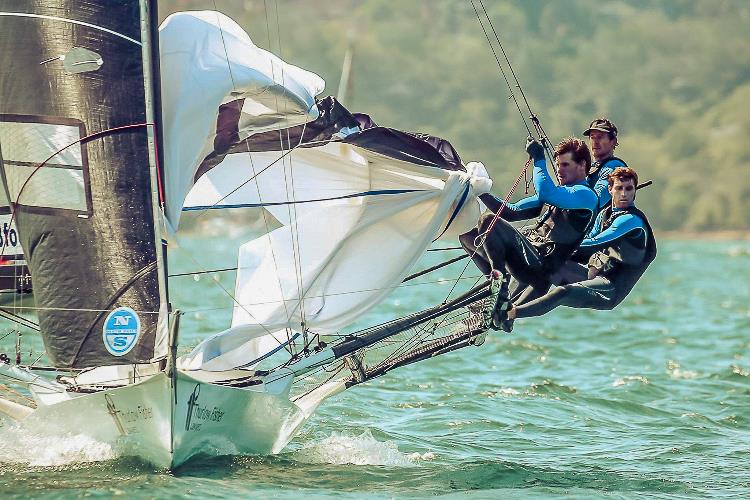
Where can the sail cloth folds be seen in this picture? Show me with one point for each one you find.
(218, 88)
(356, 217)
(358, 204)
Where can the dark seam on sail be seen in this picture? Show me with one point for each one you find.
(106, 309)
(455, 212)
(271, 352)
(418, 148)
(47, 165)
(278, 203)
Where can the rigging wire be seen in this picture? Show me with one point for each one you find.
(540, 132)
(500, 66)
(404, 285)
(294, 233)
(289, 180)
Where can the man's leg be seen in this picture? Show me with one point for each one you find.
(468, 241)
(597, 293)
(504, 245)
(570, 272)
(511, 253)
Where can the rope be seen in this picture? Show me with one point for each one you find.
(504, 202)
(483, 236)
(542, 135)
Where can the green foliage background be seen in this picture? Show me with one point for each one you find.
(674, 75)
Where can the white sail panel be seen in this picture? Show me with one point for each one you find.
(332, 260)
(43, 164)
(207, 60)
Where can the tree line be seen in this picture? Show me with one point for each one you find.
(672, 74)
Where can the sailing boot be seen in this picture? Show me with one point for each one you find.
(502, 304)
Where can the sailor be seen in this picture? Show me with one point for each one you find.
(537, 251)
(620, 247)
(602, 134)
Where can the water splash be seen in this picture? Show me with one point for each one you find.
(340, 449)
(630, 378)
(20, 446)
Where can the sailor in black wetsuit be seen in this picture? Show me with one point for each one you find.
(603, 139)
(620, 247)
(533, 254)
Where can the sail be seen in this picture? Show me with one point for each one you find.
(218, 88)
(76, 165)
(358, 209)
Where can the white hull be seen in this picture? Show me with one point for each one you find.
(142, 420)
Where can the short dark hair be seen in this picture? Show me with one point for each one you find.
(577, 148)
(624, 174)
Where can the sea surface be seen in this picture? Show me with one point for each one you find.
(649, 400)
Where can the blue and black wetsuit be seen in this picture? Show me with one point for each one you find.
(598, 178)
(619, 249)
(532, 254)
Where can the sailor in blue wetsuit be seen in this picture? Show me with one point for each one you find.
(536, 252)
(619, 248)
(602, 135)
(603, 140)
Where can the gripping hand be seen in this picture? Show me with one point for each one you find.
(479, 178)
(535, 150)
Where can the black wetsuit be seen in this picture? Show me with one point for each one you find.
(532, 254)
(620, 248)
(598, 178)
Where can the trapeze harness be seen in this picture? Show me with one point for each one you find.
(597, 178)
(624, 260)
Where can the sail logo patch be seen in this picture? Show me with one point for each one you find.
(121, 330)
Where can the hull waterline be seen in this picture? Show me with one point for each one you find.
(143, 420)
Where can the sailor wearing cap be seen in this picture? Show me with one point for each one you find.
(602, 134)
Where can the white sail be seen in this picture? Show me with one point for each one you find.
(208, 60)
(340, 256)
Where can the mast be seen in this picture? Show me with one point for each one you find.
(152, 89)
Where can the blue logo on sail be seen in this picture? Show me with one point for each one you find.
(121, 330)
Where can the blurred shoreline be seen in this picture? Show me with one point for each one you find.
(719, 235)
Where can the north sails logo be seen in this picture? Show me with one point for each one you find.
(121, 330)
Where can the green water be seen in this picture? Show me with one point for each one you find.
(649, 400)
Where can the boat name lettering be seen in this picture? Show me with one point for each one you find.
(140, 413)
(214, 414)
(9, 236)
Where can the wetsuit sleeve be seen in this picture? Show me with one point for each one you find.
(620, 227)
(521, 210)
(573, 197)
(601, 185)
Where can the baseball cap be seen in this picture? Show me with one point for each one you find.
(603, 125)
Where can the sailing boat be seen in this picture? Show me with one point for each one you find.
(101, 156)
